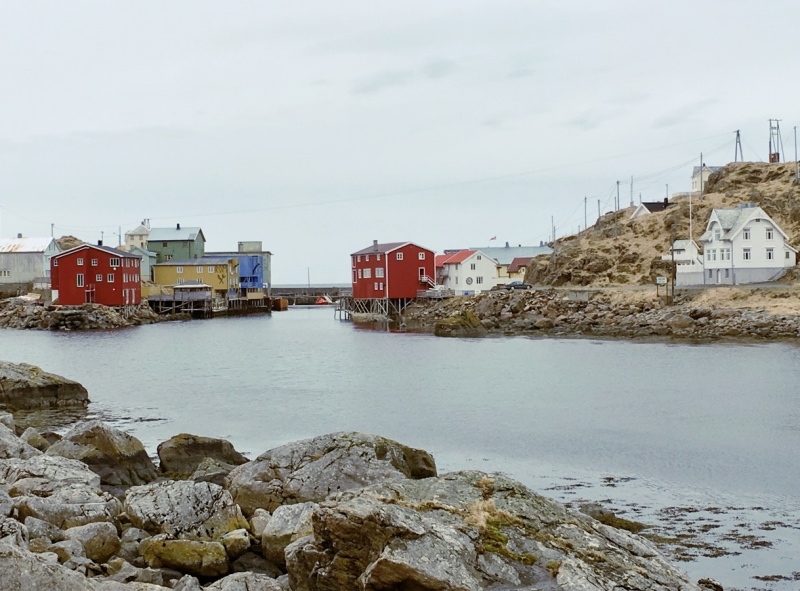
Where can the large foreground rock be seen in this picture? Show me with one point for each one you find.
(118, 458)
(312, 469)
(185, 509)
(25, 386)
(468, 531)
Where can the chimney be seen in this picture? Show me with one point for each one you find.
(375, 245)
(99, 243)
(178, 227)
(19, 235)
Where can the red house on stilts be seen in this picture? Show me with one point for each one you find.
(96, 275)
(386, 277)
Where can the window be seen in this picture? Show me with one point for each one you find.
(725, 254)
(472, 266)
(717, 234)
(421, 256)
(770, 235)
(179, 269)
(110, 278)
(379, 272)
(355, 277)
(714, 255)
(787, 254)
(478, 257)
(358, 258)
(367, 273)
(380, 286)
(180, 281)
(5, 273)
(375, 286)
(164, 244)
(708, 255)
(136, 263)
(114, 262)
(94, 262)
(366, 258)
(359, 273)
(378, 257)
(55, 262)
(199, 270)
(79, 278)
(80, 262)
(770, 254)
(746, 234)
(124, 278)
(354, 262)
(479, 280)
(746, 254)
(167, 257)
(727, 273)
(709, 273)
(399, 256)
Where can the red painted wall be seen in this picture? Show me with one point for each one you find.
(401, 278)
(125, 289)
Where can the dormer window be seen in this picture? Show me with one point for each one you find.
(717, 233)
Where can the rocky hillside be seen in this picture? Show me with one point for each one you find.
(621, 251)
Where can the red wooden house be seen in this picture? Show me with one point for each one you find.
(96, 274)
(393, 270)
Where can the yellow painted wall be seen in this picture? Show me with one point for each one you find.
(219, 277)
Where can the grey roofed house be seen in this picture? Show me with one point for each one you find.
(380, 248)
(177, 233)
(505, 255)
(22, 260)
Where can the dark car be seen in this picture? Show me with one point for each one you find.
(518, 285)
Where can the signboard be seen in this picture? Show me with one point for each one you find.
(661, 280)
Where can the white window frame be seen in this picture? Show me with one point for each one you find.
(479, 279)
(367, 273)
(770, 234)
(360, 274)
(421, 256)
(770, 254)
(366, 258)
(94, 262)
(746, 234)
(79, 279)
(398, 256)
(472, 266)
(379, 272)
(746, 255)
(80, 261)
(114, 262)
(179, 269)
(110, 278)
(199, 269)
(210, 269)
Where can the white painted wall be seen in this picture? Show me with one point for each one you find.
(475, 274)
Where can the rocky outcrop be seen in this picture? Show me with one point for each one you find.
(21, 313)
(180, 456)
(551, 312)
(118, 458)
(312, 469)
(25, 386)
(462, 323)
(381, 520)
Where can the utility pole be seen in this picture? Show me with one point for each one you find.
(631, 190)
(553, 227)
(584, 209)
(598, 209)
(119, 236)
(667, 193)
(616, 205)
(51, 230)
(737, 152)
(775, 140)
(796, 161)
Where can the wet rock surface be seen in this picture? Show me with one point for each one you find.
(377, 517)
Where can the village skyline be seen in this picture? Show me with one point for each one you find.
(318, 129)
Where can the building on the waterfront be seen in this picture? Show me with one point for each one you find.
(219, 272)
(392, 270)
(505, 255)
(255, 267)
(688, 262)
(518, 268)
(96, 274)
(466, 272)
(25, 262)
(744, 245)
(176, 243)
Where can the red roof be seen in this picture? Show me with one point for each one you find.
(453, 258)
(518, 262)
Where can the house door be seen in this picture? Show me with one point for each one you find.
(718, 276)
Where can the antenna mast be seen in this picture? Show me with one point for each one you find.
(737, 153)
(775, 141)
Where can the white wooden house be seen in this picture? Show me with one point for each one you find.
(466, 272)
(744, 245)
(700, 177)
(688, 262)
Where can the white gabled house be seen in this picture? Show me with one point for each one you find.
(744, 245)
(466, 272)
(688, 262)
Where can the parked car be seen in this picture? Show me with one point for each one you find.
(518, 285)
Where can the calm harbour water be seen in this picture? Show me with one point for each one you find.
(673, 424)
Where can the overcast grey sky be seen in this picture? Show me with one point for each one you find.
(319, 126)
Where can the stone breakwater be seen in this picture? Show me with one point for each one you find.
(22, 314)
(550, 312)
(339, 512)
